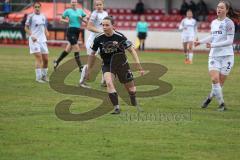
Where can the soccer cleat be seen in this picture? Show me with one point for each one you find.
(186, 61)
(55, 65)
(45, 78)
(84, 85)
(40, 81)
(222, 107)
(116, 111)
(206, 102)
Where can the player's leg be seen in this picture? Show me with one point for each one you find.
(85, 67)
(190, 51)
(44, 52)
(141, 44)
(185, 50)
(66, 51)
(112, 93)
(38, 67)
(36, 51)
(226, 66)
(144, 35)
(76, 50)
(45, 67)
(130, 87)
(214, 72)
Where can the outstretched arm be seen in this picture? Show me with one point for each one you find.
(136, 59)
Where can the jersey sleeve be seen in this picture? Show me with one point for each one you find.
(93, 17)
(227, 42)
(95, 45)
(126, 43)
(83, 14)
(65, 14)
(230, 28)
(181, 25)
(29, 20)
(196, 27)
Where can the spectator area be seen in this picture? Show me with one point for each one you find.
(157, 19)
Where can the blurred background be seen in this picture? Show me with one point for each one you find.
(163, 17)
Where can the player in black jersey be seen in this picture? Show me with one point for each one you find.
(112, 45)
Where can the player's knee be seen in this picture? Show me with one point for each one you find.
(109, 84)
(132, 89)
(215, 80)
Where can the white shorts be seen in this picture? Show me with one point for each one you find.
(89, 44)
(187, 39)
(38, 47)
(223, 64)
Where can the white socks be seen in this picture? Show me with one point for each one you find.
(38, 72)
(217, 92)
(190, 56)
(44, 72)
(83, 74)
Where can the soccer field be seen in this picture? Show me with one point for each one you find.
(172, 126)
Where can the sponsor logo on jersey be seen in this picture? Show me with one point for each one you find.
(217, 32)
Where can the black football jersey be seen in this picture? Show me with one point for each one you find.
(117, 43)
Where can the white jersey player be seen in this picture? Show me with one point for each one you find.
(95, 27)
(188, 26)
(36, 28)
(221, 56)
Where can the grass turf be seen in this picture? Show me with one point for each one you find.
(29, 128)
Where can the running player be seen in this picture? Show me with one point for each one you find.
(221, 56)
(112, 44)
(36, 28)
(188, 26)
(74, 17)
(95, 27)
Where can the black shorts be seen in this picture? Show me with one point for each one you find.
(142, 35)
(123, 73)
(73, 35)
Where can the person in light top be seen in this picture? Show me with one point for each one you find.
(95, 27)
(221, 56)
(188, 26)
(36, 28)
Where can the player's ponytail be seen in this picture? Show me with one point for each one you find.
(232, 13)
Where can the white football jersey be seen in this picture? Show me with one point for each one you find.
(219, 32)
(96, 18)
(188, 27)
(37, 24)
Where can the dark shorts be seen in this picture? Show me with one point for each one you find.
(73, 35)
(142, 35)
(123, 73)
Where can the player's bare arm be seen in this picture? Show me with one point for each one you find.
(91, 27)
(136, 59)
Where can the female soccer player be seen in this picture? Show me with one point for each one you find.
(95, 27)
(74, 17)
(221, 56)
(111, 45)
(142, 29)
(188, 26)
(36, 28)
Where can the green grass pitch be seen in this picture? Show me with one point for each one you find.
(29, 128)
